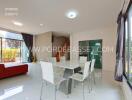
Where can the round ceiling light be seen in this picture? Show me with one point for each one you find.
(71, 14)
(17, 23)
(41, 25)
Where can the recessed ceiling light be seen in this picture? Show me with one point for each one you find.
(71, 14)
(41, 24)
(17, 23)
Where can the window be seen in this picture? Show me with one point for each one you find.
(12, 47)
(11, 51)
(128, 46)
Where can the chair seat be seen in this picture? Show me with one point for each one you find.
(77, 77)
(58, 80)
(59, 71)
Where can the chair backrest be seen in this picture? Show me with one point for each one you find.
(86, 69)
(83, 59)
(47, 71)
(53, 59)
(63, 59)
(92, 65)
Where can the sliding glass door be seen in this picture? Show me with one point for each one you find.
(12, 47)
(128, 46)
(92, 49)
(11, 50)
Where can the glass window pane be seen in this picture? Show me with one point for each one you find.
(12, 47)
(25, 52)
(126, 48)
(11, 51)
(130, 45)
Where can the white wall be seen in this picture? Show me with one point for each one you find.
(43, 44)
(108, 35)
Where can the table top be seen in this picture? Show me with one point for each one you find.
(67, 64)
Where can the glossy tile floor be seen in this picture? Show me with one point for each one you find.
(27, 87)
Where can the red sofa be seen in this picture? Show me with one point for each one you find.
(9, 70)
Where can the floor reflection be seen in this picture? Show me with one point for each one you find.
(10, 92)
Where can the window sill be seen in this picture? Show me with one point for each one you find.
(128, 82)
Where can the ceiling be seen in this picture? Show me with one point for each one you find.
(92, 14)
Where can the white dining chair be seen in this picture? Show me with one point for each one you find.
(92, 72)
(82, 61)
(49, 76)
(82, 77)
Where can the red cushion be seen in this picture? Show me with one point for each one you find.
(14, 70)
(2, 68)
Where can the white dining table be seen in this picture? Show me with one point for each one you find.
(67, 65)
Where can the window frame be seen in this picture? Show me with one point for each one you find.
(126, 19)
(1, 46)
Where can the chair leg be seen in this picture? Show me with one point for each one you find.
(83, 91)
(46, 93)
(45, 83)
(74, 84)
(91, 81)
(94, 77)
(101, 74)
(68, 88)
(55, 92)
(89, 84)
(41, 91)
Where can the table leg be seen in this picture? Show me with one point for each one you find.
(69, 86)
(67, 74)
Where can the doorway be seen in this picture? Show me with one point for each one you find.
(92, 49)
